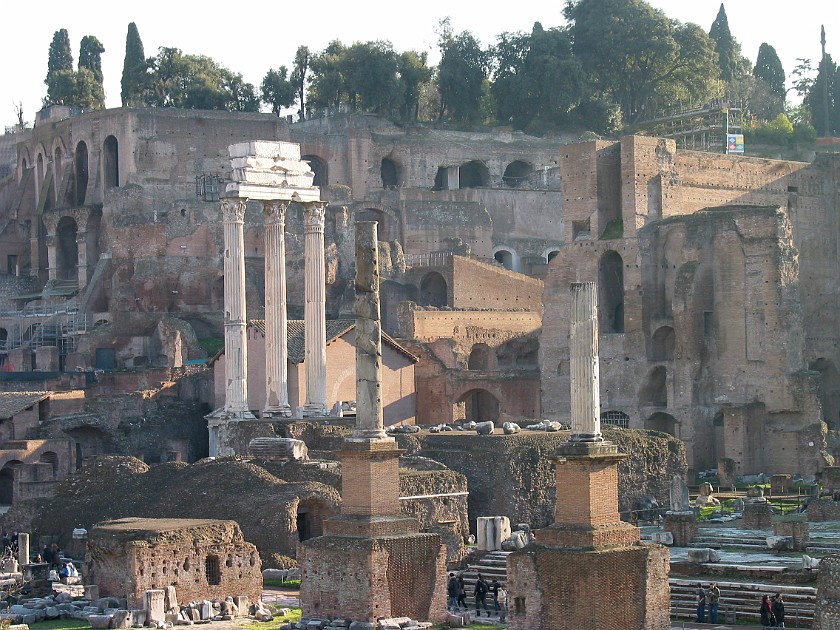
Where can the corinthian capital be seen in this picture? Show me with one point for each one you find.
(233, 210)
(275, 212)
(313, 214)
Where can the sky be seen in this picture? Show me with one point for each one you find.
(256, 36)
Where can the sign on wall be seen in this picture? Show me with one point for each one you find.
(735, 143)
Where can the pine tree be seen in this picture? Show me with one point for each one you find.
(134, 68)
(768, 68)
(730, 60)
(59, 78)
(90, 56)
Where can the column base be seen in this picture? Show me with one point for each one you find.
(218, 426)
(277, 412)
(315, 410)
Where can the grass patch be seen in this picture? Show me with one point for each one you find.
(212, 345)
(60, 624)
(277, 622)
(281, 583)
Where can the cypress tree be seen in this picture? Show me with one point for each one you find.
(768, 68)
(134, 67)
(90, 56)
(728, 50)
(60, 79)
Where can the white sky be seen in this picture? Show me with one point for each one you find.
(252, 37)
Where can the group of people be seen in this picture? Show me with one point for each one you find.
(456, 592)
(772, 611)
(710, 596)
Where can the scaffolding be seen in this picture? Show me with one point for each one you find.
(699, 129)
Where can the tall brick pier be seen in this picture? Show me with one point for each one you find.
(588, 569)
(372, 560)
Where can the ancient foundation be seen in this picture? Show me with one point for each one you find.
(824, 509)
(757, 516)
(682, 526)
(827, 610)
(202, 559)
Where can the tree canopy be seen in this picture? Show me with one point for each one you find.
(768, 68)
(134, 68)
(461, 75)
(731, 62)
(82, 88)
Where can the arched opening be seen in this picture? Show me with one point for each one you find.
(473, 174)
(655, 391)
(58, 169)
(662, 422)
(441, 179)
(829, 391)
(507, 258)
(112, 162)
(311, 514)
(390, 173)
(611, 293)
(50, 457)
(617, 419)
(663, 344)
(517, 173)
(477, 405)
(319, 167)
(480, 358)
(551, 255)
(81, 180)
(90, 442)
(67, 249)
(7, 482)
(383, 230)
(433, 290)
(39, 172)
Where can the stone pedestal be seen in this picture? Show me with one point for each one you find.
(683, 526)
(757, 515)
(779, 484)
(797, 529)
(824, 509)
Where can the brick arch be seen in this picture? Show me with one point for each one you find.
(481, 402)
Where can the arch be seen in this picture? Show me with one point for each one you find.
(39, 172)
(478, 405)
(389, 172)
(507, 257)
(617, 419)
(433, 290)
(319, 167)
(611, 292)
(473, 174)
(662, 422)
(662, 344)
(517, 173)
(655, 391)
(381, 217)
(829, 390)
(550, 254)
(480, 358)
(311, 514)
(67, 249)
(50, 457)
(111, 165)
(81, 172)
(58, 174)
(7, 481)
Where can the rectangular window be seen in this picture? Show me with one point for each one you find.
(12, 264)
(212, 570)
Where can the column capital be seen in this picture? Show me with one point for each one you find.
(81, 236)
(275, 211)
(313, 214)
(233, 209)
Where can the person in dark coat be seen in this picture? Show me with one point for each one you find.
(452, 592)
(701, 603)
(766, 612)
(481, 589)
(778, 608)
(462, 593)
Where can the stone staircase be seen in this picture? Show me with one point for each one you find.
(757, 541)
(492, 566)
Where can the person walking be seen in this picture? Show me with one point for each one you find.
(766, 612)
(462, 592)
(701, 604)
(480, 595)
(495, 586)
(452, 589)
(502, 599)
(714, 599)
(778, 608)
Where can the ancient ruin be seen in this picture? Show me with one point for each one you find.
(372, 561)
(558, 581)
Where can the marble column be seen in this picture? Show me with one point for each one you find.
(236, 346)
(276, 355)
(82, 266)
(315, 318)
(52, 256)
(369, 424)
(583, 363)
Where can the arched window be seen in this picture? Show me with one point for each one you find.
(58, 180)
(473, 174)
(611, 290)
(517, 173)
(433, 290)
(479, 357)
(81, 167)
(662, 422)
(551, 255)
(655, 391)
(112, 162)
(67, 252)
(319, 167)
(477, 405)
(390, 173)
(617, 419)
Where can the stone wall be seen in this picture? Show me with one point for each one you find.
(202, 559)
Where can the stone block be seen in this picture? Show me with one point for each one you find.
(99, 621)
(492, 531)
(171, 598)
(662, 538)
(206, 609)
(153, 603)
(121, 619)
(91, 592)
(242, 604)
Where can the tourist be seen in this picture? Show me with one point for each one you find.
(701, 604)
(480, 593)
(47, 555)
(462, 592)
(501, 597)
(495, 588)
(779, 611)
(767, 619)
(714, 600)
(452, 590)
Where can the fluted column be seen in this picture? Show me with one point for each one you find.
(369, 422)
(583, 363)
(276, 355)
(236, 347)
(315, 317)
